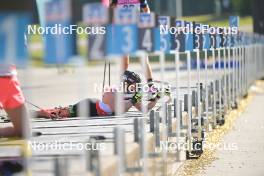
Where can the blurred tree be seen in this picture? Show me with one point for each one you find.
(258, 16)
(242, 7)
(20, 5)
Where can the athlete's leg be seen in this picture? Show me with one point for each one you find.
(86, 107)
(12, 101)
(19, 119)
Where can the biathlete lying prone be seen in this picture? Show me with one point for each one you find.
(106, 106)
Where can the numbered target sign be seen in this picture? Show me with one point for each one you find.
(59, 41)
(162, 34)
(243, 38)
(188, 36)
(146, 35)
(223, 39)
(228, 40)
(239, 38)
(206, 37)
(178, 39)
(129, 4)
(122, 35)
(198, 36)
(96, 17)
(95, 13)
(213, 38)
(233, 22)
(13, 29)
(218, 40)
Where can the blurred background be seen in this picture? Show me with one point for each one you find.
(213, 12)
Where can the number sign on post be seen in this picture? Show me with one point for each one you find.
(213, 39)
(162, 37)
(198, 37)
(206, 37)
(146, 37)
(233, 22)
(59, 47)
(96, 15)
(122, 34)
(189, 37)
(13, 28)
(178, 39)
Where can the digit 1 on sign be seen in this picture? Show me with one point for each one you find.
(12, 37)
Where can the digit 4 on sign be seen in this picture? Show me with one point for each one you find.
(146, 37)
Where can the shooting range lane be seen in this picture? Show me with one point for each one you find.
(133, 143)
(79, 129)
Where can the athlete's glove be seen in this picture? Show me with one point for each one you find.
(136, 98)
(167, 92)
(153, 93)
(158, 94)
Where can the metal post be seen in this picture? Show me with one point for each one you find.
(206, 84)
(177, 103)
(199, 94)
(233, 78)
(143, 146)
(229, 78)
(119, 139)
(225, 81)
(189, 99)
(220, 82)
(214, 89)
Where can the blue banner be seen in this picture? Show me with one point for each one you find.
(162, 38)
(13, 31)
(189, 37)
(59, 46)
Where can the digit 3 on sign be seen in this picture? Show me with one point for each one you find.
(127, 47)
